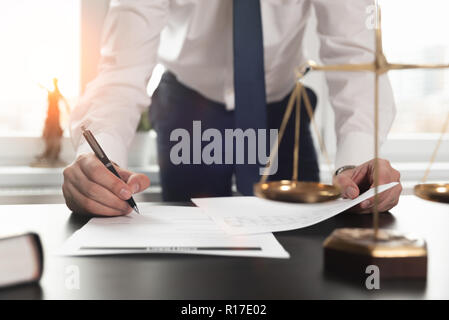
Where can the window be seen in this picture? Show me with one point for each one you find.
(414, 31)
(40, 41)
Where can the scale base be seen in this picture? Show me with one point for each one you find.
(349, 252)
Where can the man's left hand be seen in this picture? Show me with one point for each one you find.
(355, 181)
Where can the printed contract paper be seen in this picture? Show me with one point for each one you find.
(167, 229)
(252, 215)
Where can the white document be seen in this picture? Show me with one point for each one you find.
(167, 229)
(252, 215)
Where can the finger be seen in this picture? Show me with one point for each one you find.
(369, 203)
(98, 173)
(348, 187)
(82, 204)
(392, 200)
(124, 174)
(68, 198)
(136, 181)
(363, 210)
(98, 193)
(386, 200)
(360, 173)
(386, 175)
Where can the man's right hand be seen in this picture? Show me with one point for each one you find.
(89, 187)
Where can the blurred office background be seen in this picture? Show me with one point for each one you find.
(53, 38)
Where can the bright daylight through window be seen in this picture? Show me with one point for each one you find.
(40, 41)
(412, 34)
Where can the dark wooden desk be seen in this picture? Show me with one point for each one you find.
(165, 276)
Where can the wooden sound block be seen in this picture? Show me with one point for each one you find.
(349, 252)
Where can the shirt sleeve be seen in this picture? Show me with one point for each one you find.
(347, 37)
(113, 102)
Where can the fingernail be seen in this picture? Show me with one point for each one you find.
(351, 192)
(136, 188)
(366, 204)
(125, 194)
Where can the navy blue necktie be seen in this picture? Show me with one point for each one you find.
(249, 82)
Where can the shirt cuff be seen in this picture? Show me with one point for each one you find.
(114, 150)
(354, 149)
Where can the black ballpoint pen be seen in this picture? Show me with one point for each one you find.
(105, 160)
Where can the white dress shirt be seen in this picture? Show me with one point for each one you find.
(193, 39)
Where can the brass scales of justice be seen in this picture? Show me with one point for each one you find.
(349, 250)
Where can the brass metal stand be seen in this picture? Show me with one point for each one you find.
(294, 190)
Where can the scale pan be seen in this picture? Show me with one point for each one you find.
(296, 191)
(438, 192)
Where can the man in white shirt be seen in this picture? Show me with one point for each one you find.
(207, 48)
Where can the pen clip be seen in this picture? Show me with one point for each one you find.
(93, 143)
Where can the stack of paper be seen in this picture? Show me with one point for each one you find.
(167, 229)
(228, 226)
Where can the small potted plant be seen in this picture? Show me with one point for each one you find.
(143, 149)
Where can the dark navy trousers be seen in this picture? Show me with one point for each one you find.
(174, 106)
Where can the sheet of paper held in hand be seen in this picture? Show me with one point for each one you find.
(252, 215)
(167, 229)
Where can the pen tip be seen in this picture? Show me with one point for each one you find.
(136, 210)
